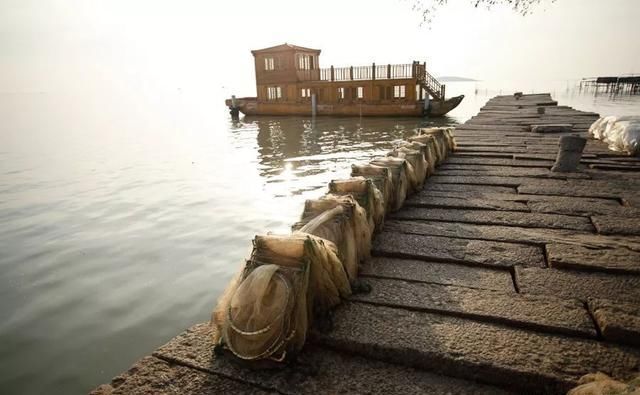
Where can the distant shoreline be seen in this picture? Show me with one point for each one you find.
(452, 78)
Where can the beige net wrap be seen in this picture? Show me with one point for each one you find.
(400, 171)
(341, 220)
(416, 163)
(366, 194)
(265, 314)
(381, 178)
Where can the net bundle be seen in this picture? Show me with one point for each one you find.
(400, 172)
(366, 194)
(266, 312)
(416, 163)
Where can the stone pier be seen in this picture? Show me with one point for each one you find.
(500, 276)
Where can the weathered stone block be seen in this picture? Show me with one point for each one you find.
(621, 225)
(575, 284)
(535, 312)
(317, 371)
(454, 250)
(614, 260)
(552, 128)
(522, 360)
(487, 217)
(618, 321)
(152, 376)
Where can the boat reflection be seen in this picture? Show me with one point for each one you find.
(316, 145)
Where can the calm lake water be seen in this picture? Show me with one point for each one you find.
(124, 215)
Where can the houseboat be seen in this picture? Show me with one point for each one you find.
(289, 81)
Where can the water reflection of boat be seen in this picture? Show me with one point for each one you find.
(316, 145)
(289, 81)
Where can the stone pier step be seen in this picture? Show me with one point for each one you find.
(545, 314)
(318, 371)
(520, 360)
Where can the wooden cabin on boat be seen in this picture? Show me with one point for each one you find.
(289, 81)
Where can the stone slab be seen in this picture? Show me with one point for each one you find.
(512, 234)
(552, 128)
(493, 180)
(449, 249)
(498, 161)
(576, 284)
(425, 200)
(438, 273)
(507, 218)
(587, 188)
(589, 207)
(605, 206)
(154, 376)
(318, 371)
(534, 312)
(429, 186)
(525, 361)
(628, 224)
(511, 172)
(612, 260)
(618, 321)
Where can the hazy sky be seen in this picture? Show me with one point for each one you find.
(48, 45)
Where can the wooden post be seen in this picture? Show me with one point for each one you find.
(351, 73)
(373, 71)
(331, 72)
(388, 71)
(314, 105)
(442, 89)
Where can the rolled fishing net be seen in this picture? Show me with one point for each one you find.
(381, 178)
(424, 150)
(400, 184)
(418, 165)
(266, 313)
(366, 194)
(341, 220)
(443, 138)
(433, 149)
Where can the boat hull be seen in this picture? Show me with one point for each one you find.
(251, 106)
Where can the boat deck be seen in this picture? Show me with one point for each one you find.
(499, 276)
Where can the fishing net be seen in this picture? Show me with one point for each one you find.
(366, 194)
(400, 184)
(381, 178)
(433, 148)
(417, 164)
(449, 133)
(265, 314)
(424, 151)
(441, 143)
(341, 220)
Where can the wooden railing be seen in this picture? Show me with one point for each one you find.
(386, 72)
(373, 72)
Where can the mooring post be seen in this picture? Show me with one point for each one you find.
(234, 110)
(569, 153)
(314, 105)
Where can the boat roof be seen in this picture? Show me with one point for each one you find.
(284, 47)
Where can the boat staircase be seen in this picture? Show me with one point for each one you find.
(428, 82)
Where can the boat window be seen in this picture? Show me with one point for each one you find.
(360, 92)
(398, 91)
(305, 62)
(269, 64)
(274, 92)
(305, 92)
(340, 93)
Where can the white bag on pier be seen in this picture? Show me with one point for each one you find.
(622, 133)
